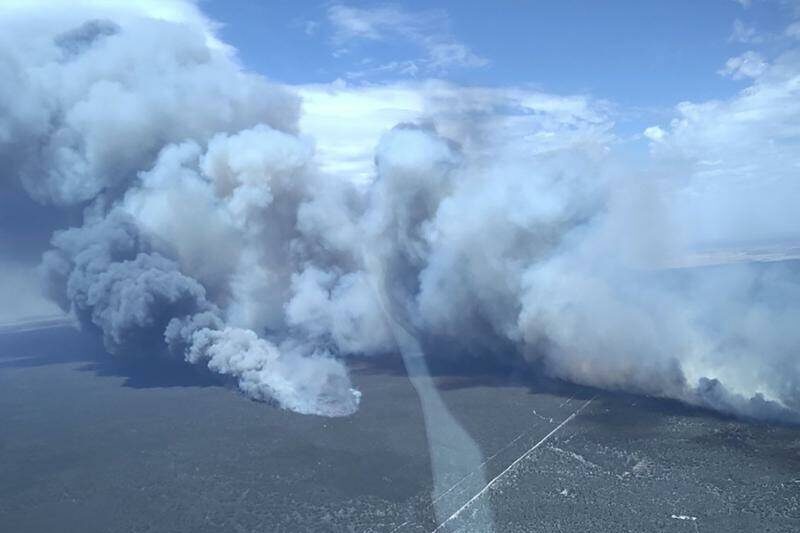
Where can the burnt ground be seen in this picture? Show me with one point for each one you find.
(87, 445)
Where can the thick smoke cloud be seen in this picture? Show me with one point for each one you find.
(211, 234)
(88, 103)
(182, 162)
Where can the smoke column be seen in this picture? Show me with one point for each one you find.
(209, 233)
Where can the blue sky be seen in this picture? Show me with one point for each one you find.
(631, 63)
(637, 54)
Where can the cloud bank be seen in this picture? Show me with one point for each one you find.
(501, 224)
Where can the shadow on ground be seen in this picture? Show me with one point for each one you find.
(34, 348)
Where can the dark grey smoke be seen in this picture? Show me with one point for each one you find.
(78, 40)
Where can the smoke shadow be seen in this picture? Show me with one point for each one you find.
(627, 412)
(154, 374)
(452, 373)
(33, 348)
(623, 410)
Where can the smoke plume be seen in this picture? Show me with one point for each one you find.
(211, 233)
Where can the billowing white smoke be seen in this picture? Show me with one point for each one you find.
(211, 235)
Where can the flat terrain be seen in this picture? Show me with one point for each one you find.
(87, 446)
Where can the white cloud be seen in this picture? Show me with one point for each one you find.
(748, 65)
(744, 34)
(738, 158)
(350, 22)
(655, 133)
(369, 111)
(532, 121)
(427, 30)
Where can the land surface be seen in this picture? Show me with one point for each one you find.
(89, 445)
